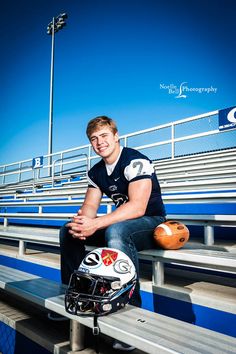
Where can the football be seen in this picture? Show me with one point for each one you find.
(171, 235)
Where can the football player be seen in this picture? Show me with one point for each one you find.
(127, 177)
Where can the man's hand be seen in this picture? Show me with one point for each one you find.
(82, 226)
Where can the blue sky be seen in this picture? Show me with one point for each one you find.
(113, 58)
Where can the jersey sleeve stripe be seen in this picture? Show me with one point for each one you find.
(91, 183)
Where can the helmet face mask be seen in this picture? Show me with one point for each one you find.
(101, 289)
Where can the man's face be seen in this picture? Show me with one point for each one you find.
(104, 142)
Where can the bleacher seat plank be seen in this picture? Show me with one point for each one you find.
(223, 219)
(206, 220)
(9, 275)
(28, 286)
(29, 234)
(209, 258)
(203, 258)
(154, 333)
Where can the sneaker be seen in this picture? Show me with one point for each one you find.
(122, 346)
(53, 316)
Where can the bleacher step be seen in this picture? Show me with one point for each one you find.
(32, 324)
(204, 291)
(53, 336)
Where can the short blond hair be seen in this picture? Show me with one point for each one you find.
(100, 122)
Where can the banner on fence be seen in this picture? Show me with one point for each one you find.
(227, 118)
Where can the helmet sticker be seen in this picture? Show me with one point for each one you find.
(108, 256)
(92, 260)
(83, 269)
(131, 292)
(122, 266)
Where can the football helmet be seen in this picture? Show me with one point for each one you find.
(103, 284)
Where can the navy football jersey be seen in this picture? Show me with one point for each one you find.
(131, 166)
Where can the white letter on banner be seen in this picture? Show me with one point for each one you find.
(231, 115)
(37, 162)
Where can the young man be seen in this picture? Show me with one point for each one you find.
(128, 178)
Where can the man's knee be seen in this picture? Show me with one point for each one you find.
(115, 230)
(116, 235)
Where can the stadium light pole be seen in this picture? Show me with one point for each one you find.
(53, 27)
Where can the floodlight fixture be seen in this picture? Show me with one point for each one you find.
(57, 23)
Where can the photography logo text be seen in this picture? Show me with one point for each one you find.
(184, 90)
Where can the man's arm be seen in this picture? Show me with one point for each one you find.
(139, 194)
(91, 203)
(89, 210)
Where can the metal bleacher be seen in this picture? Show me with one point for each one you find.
(198, 189)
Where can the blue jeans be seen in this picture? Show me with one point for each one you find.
(129, 236)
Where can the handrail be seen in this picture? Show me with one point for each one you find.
(67, 158)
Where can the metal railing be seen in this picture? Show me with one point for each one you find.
(167, 141)
(61, 162)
